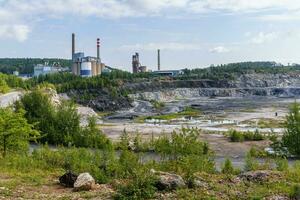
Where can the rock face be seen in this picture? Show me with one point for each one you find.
(100, 100)
(280, 85)
(258, 176)
(84, 182)
(68, 179)
(168, 181)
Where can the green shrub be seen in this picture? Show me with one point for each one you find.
(128, 164)
(227, 167)
(257, 153)
(295, 193)
(282, 164)
(251, 163)
(236, 136)
(140, 187)
(182, 143)
(291, 137)
(3, 86)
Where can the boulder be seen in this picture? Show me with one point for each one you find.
(258, 176)
(197, 182)
(84, 182)
(168, 181)
(68, 179)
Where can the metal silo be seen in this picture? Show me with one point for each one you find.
(86, 69)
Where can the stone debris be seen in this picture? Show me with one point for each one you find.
(258, 176)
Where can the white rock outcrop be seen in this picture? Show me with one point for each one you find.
(84, 182)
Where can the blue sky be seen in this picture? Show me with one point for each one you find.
(190, 33)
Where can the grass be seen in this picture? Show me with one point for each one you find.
(187, 112)
(265, 123)
(270, 123)
(130, 178)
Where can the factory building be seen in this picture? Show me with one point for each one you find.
(136, 65)
(86, 66)
(44, 69)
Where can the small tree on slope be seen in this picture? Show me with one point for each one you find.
(15, 132)
(291, 137)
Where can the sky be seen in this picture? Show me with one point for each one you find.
(190, 33)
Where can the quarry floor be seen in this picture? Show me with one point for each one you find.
(217, 116)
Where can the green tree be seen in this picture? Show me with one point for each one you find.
(15, 131)
(291, 137)
(40, 111)
(3, 86)
(67, 124)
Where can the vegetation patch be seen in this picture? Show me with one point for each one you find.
(187, 112)
(237, 136)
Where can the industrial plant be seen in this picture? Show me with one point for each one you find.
(86, 66)
(136, 65)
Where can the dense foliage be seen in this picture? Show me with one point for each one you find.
(231, 70)
(59, 124)
(291, 138)
(237, 136)
(15, 131)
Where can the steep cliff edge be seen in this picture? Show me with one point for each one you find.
(281, 85)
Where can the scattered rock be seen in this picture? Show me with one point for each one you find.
(258, 176)
(197, 182)
(84, 182)
(68, 179)
(277, 197)
(168, 181)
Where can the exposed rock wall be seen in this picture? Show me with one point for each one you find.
(281, 85)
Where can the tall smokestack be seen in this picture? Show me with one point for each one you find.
(73, 45)
(158, 59)
(98, 50)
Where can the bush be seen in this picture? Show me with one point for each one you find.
(251, 163)
(282, 164)
(295, 193)
(236, 136)
(140, 187)
(183, 143)
(291, 138)
(227, 167)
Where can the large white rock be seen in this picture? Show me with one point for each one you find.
(84, 182)
(168, 181)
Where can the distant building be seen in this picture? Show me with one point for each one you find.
(43, 69)
(136, 65)
(172, 73)
(16, 73)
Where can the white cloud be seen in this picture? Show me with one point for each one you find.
(28, 12)
(173, 46)
(219, 49)
(263, 37)
(18, 32)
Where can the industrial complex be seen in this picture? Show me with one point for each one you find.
(86, 66)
